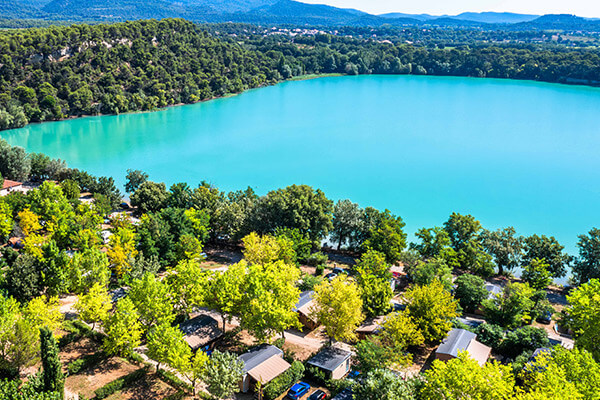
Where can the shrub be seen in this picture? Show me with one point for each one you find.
(317, 259)
(320, 270)
(491, 335)
(310, 281)
(284, 381)
(85, 362)
(119, 384)
(172, 380)
(527, 338)
(470, 291)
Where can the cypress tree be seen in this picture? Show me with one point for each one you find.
(52, 376)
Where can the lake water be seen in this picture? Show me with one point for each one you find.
(510, 153)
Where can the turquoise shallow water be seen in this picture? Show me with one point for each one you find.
(510, 153)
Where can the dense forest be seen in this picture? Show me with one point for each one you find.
(60, 72)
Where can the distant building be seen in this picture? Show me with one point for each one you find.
(10, 186)
(200, 331)
(333, 361)
(304, 309)
(462, 340)
(262, 364)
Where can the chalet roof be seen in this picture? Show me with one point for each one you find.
(200, 331)
(457, 340)
(10, 184)
(479, 351)
(330, 358)
(305, 302)
(372, 325)
(259, 355)
(269, 369)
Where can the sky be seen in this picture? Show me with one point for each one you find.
(583, 8)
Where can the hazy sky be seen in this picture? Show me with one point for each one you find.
(584, 8)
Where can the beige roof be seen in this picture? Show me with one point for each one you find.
(308, 308)
(479, 352)
(371, 325)
(270, 369)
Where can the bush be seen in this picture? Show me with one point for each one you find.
(85, 362)
(320, 270)
(310, 281)
(284, 381)
(491, 335)
(317, 259)
(470, 291)
(119, 384)
(527, 338)
(171, 379)
(136, 358)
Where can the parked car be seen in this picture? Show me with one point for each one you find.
(339, 271)
(318, 395)
(298, 390)
(331, 276)
(545, 318)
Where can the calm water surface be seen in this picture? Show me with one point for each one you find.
(510, 153)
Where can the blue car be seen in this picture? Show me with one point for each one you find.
(298, 390)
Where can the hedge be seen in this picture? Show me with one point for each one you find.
(119, 384)
(284, 381)
(84, 362)
(171, 379)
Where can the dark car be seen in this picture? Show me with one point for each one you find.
(318, 395)
(545, 318)
(339, 271)
(331, 276)
(298, 390)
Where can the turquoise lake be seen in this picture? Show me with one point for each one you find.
(508, 152)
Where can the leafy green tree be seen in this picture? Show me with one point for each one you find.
(225, 290)
(14, 163)
(71, 189)
(490, 334)
(18, 337)
(347, 222)
(24, 280)
(200, 223)
(53, 378)
(223, 374)
(123, 329)
(382, 384)
(435, 242)
(180, 196)
(301, 243)
(512, 307)
(296, 206)
(371, 354)
(584, 316)
(464, 232)
(94, 306)
(504, 246)
(150, 197)
(30, 390)
(6, 220)
(338, 307)
(536, 274)
(432, 308)
(187, 283)
(387, 237)
(398, 332)
(426, 272)
(44, 312)
(587, 266)
(463, 378)
(268, 300)
(267, 249)
(470, 291)
(86, 268)
(152, 301)
(547, 249)
(373, 278)
(527, 338)
(166, 345)
(134, 179)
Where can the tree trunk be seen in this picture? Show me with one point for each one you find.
(224, 323)
(339, 244)
(500, 269)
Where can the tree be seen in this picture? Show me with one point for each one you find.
(19, 343)
(6, 220)
(584, 316)
(44, 312)
(268, 301)
(123, 329)
(338, 307)
(371, 354)
(470, 291)
(24, 279)
(461, 230)
(373, 277)
(29, 222)
(382, 384)
(432, 308)
(587, 266)
(426, 272)
(300, 243)
(86, 268)
(152, 301)
(187, 283)
(180, 196)
(296, 206)
(122, 250)
(490, 334)
(536, 274)
(53, 378)
(223, 374)
(527, 338)
(504, 246)
(134, 179)
(225, 290)
(166, 346)
(463, 378)
(398, 332)
(435, 242)
(267, 249)
(464, 232)
(194, 368)
(14, 163)
(511, 307)
(14, 390)
(71, 189)
(347, 221)
(387, 237)
(150, 197)
(94, 306)
(547, 249)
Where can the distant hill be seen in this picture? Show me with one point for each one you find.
(419, 17)
(496, 17)
(20, 9)
(561, 22)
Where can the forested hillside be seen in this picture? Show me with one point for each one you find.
(60, 72)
